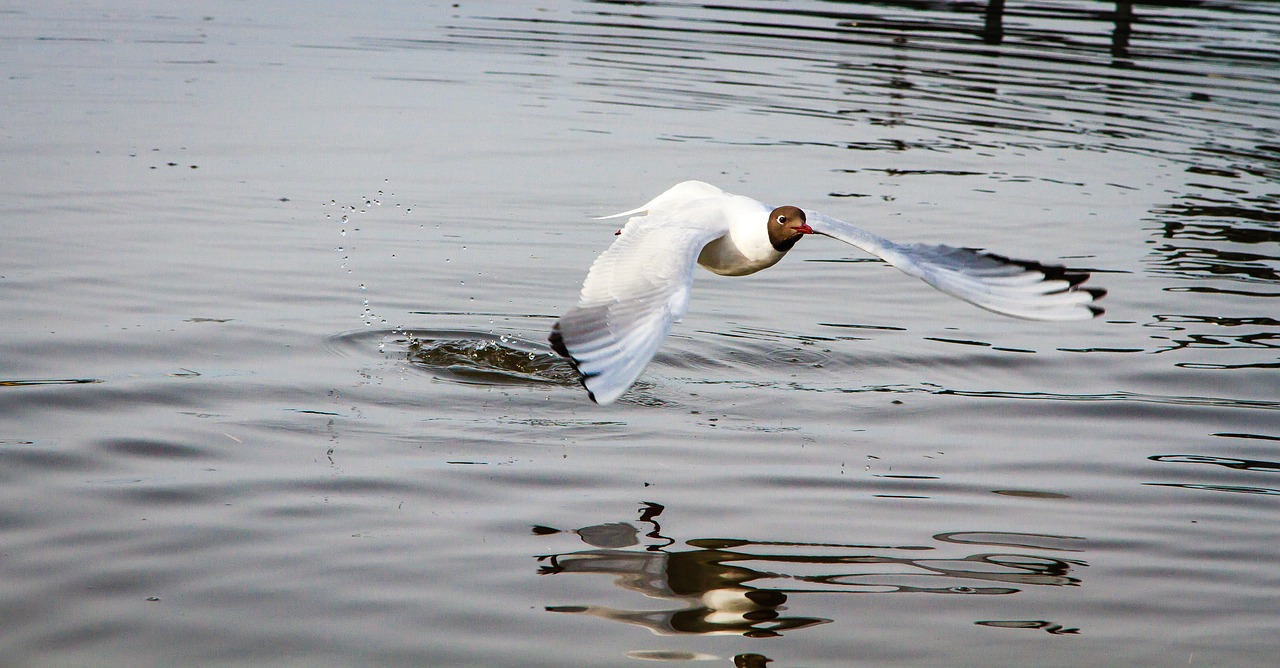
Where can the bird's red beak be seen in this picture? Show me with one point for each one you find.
(803, 228)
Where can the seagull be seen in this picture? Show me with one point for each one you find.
(640, 285)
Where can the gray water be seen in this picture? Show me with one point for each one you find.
(277, 277)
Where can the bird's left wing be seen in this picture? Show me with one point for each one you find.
(634, 292)
(1017, 288)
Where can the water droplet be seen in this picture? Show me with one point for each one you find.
(344, 218)
(362, 286)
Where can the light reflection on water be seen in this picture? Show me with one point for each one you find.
(274, 384)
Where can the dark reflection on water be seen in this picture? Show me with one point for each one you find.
(1260, 437)
(1221, 239)
(1267, 338)
(1047, 627)
(740, 586)
(1225, 402)
(1228, 462)
(48, 381)
(1235, 489)
(1219, 334)
(1218, 263)
(1236, 470)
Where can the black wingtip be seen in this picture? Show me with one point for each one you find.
(1096, 293)
(1052, 272)
(557, 344)
(1057, 272)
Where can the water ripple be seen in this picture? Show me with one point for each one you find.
(848, 63)
(1135, 397)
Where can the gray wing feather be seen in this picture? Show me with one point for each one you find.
(1017, 288)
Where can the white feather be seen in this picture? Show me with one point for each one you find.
(634, 292)
(640, 286)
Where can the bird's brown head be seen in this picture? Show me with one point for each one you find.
(786, 225)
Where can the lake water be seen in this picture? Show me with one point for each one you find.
(277, 279)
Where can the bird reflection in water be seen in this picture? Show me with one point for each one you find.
(739, 587)
(713, 591)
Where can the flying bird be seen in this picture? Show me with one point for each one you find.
(640, 285)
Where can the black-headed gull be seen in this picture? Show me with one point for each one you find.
(640, 286)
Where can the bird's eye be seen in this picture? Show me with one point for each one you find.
(782, 220)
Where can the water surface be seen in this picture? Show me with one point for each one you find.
(274, 385)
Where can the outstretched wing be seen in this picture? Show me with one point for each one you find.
(1017, 288)
(634, 292)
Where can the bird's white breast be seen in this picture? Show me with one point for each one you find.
(745, 249)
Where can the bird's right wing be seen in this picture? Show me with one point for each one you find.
(634, 292)
(1017, 288)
